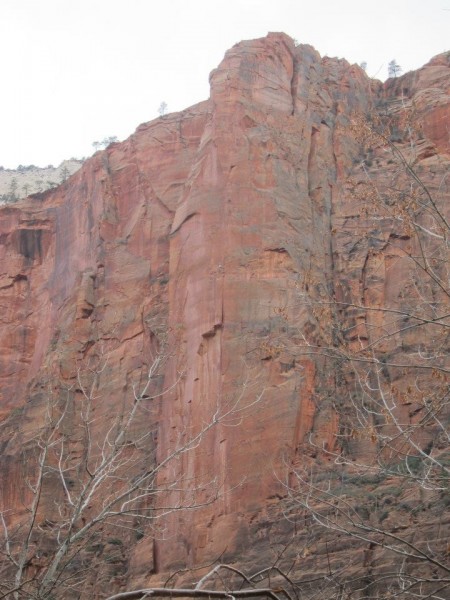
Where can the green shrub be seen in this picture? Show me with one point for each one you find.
(115, 541)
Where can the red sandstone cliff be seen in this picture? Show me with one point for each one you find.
(232, 227)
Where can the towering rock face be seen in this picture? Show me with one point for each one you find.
(237, 234)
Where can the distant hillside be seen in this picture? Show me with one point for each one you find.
(29, 179)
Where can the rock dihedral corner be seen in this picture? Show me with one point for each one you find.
(213, 224)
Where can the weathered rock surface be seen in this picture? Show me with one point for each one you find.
(231, 226)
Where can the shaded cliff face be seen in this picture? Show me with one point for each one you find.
(234, 227)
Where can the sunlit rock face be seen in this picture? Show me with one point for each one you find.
(227, 233)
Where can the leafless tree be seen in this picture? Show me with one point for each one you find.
(227, 581)
(103, 476)
(387, 475)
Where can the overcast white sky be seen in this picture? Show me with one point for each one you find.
(76, 71)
